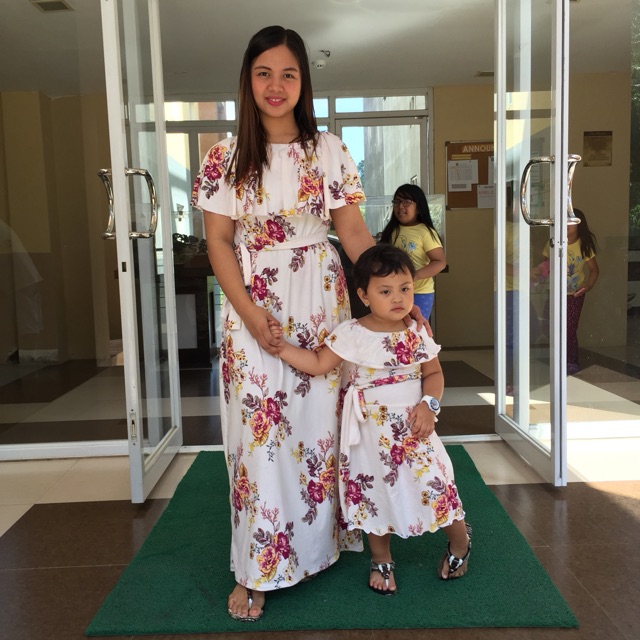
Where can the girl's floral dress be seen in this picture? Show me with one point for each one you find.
(390, 482)
(280, 426)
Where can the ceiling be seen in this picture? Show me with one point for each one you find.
(373, 44)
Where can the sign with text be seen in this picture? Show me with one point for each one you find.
(470, 175)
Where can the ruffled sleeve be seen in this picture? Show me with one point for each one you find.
(342, 184)
(210, 190)
(428, 349)
(351, 343)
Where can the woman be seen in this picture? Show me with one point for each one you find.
(269, 197)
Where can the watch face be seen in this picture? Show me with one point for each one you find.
(434, 404)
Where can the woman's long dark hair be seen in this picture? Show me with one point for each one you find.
(588, 242)
(415, 193)
(251, 155)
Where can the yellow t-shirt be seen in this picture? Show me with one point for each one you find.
(575, 265)
(417, 241)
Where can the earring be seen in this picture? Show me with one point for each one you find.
(366, 304)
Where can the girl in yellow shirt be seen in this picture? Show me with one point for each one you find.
(411, 229)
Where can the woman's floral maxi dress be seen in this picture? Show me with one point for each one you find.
(390, 482)
(280, 426)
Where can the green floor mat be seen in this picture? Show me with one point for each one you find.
(180, 579)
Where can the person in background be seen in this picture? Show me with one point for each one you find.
(582, 274)
(411, 229)
(395, 474)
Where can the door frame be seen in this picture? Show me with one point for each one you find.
(145, 469)
(552, 464)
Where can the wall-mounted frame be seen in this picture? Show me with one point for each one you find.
(470, 181)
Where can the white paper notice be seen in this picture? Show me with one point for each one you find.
(486, 196)
(462, 174)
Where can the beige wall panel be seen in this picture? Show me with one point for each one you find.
(73, 226)
(464, 295)
(601, 102)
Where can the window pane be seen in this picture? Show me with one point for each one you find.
(386, 156)
(321, 107)
(387, 103)
(185, 111)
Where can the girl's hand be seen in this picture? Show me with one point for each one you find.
(421, 321)
(422, 421)
(258, 322)
(579, 292)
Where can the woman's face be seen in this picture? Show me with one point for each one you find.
(405, 210)
(276, 82)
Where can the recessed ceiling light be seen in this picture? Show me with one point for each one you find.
(49, 6)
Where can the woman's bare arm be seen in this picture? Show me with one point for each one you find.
(220, 231)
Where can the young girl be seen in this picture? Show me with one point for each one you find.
(411, 229)
(395, 475)
(581, 252)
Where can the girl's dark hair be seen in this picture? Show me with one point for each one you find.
(588, 242)
(380, 261)
(415, 193)
(251, 155)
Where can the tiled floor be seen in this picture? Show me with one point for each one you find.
(68, 528)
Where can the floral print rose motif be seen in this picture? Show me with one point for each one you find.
(244, 493)
(404, 449)
(271, 548)
(233, 365)
(407, 347)
(263, 414)
(320, 486)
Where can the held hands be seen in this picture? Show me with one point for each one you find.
(259, 323)
(276, 334)
(422, 421)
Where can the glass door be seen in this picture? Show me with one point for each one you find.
(138, 186)
(533, 208)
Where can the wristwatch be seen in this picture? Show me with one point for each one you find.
(432, 403)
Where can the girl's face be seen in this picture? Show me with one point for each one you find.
(390, 298)
(276, 82)
(405, 210)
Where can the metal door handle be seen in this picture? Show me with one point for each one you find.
(109, 234)
(105, 176)
(153, 223)
(524, 183)
(574, 158)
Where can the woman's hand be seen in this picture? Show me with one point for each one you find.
(421, 321)
(259, 322)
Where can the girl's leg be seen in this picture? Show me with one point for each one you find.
(458, 546)
(574, 309)
(380, 553)
(424, 302)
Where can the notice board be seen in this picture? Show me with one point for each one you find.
(470, 181)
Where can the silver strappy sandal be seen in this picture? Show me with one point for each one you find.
(385, 569)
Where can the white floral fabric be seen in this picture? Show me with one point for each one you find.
(280, 426)
(390, 481)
